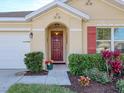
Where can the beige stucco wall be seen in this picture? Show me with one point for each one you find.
(101, 14)
(72, 23)
(98, 10)
(15, 25)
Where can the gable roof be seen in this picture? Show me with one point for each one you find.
(60, 5)
(115, 3)
(29, 15)
(15, 14)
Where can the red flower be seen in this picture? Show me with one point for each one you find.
(116, 66)
(116, 53)
(48, 62)
(107, 54)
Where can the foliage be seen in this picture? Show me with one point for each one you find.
(34, 61)
(84, 81)
(107, 54)
(48, 62)
(80, 62)
(122, 58)
(113, 61)
(116, 53)
(97, 75)
(116, 66)
(35, 88)
(120, 85)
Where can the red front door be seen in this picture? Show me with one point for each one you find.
(57, 45)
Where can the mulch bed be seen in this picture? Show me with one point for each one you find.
(29, 73)
(94, 87)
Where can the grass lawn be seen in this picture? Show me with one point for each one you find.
(35, 88)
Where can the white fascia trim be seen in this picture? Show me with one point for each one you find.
(15, 29)
(12, 19)
(41, 10)
(64, 1)
(119, 1)
(73, 10)
(61, 5)
(108, 25)
(115, 3)
(44, 9)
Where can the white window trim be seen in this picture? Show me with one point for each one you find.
(104, 40)
(118, 40)
(112, 41)
(112, 38)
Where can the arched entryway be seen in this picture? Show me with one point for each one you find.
(56, 42)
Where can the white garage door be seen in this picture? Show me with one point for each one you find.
(13, 46)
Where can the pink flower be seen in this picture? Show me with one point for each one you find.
(116, 66)
(107, 54)
(116, 53)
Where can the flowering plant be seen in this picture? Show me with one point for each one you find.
(84, 81)
(113, 61)
(116, 53)
(116, 66)
(49, 62)
(107, 54)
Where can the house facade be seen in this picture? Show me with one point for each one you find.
(61, 28)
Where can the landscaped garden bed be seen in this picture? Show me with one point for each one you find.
(94, 73)
(29, 73)
(94, 87)
(97, 73)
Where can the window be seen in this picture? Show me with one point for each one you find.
(110, 38)
(119, 33)
(103, 34)
(103, 39)
(119, 39)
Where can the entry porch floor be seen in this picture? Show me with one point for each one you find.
(57, 76)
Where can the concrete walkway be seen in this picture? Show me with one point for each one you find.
(8, 78)
(54, 77)
(57, 76)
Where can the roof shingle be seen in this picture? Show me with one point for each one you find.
(14, 14)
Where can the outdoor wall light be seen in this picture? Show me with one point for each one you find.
(31, 35)
(56, 33)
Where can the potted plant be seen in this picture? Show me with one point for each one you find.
(49, 64)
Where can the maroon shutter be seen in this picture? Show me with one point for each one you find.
(91, 39)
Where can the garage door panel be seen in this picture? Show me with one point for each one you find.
(12, 49)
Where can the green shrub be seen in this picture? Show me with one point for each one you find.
(97, 75)
(120, 85)
(122, 59)
(79, 62)
(34, 61)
